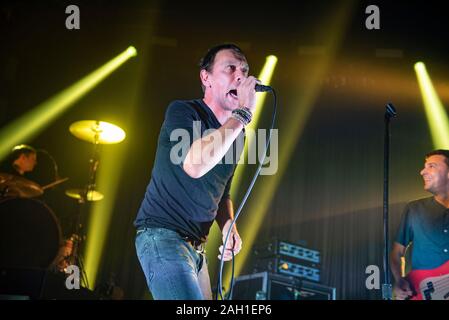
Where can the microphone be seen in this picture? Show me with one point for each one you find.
(390, 111)
(263, 88)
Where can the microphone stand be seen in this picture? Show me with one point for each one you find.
(387, 291)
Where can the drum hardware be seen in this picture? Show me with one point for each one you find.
(29, 230)
(78, 194)
(97, 133)
(12, 185)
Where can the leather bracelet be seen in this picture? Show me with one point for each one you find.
(243, 114)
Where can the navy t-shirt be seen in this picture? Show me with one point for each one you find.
(173, 199)
(425, 222)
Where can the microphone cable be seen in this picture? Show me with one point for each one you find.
(239, 210)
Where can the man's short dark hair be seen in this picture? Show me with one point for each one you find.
(207, 62)
(441, 152)
(21, 149)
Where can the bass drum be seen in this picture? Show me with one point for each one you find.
(30, 234)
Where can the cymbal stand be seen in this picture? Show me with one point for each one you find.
(88, 191)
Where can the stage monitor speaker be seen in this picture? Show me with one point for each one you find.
(270, 286)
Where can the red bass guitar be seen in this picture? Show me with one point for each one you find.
(430, 284)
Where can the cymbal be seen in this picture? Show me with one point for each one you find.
(100, 132)
(16, 186)
(91, 196)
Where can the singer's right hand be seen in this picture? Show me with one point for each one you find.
(246, 93)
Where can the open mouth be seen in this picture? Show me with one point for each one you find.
(233, 93)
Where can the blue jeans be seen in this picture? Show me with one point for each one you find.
(173, 268)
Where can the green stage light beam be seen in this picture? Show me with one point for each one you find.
(36, 120)
(435, 111)
(100, 216)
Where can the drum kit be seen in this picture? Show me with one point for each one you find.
(30, 233)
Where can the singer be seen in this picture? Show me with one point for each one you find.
(183, 199)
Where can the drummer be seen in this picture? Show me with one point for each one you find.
(22, 159)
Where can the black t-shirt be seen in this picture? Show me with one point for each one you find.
(173, 199)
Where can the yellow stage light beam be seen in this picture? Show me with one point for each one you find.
(109, 175)
(435, 111)
(33, 122)
(292, 127)
(110, 172)
(265, 76)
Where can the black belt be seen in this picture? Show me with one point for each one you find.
(198, 245)
(193, 242)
